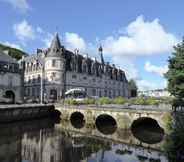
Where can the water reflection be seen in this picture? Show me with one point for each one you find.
(45, 141)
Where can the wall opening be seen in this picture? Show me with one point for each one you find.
(106, 124)
(77, 120)
(11, 96)
(147, 130)
(53, 95)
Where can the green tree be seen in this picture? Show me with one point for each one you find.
(175, 74)
(13, 52)
(133, 88)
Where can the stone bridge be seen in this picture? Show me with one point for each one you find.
(124, 117)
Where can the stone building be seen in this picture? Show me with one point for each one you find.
(60, 69)
(11, 79)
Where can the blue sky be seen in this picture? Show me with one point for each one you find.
(136, 35)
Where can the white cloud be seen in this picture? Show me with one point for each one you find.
(74, 41)
(24, 31)
(150, 85)
(142, 38)
(47, 40)
(12, 45)
(21, 5)
(160, 70)
(39, 30)
(128, 65)
(146, 85)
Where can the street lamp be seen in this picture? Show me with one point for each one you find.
(41, 84)
(41, 80)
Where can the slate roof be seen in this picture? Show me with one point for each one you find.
(55, 47)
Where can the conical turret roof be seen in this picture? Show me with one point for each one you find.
(55, 46)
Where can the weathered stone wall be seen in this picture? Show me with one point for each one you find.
(24, 112)
(11, 82)
(123, 117)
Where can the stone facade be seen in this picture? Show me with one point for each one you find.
(11, 79)
(61, 70)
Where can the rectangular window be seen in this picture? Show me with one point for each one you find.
(33, 91)
(28, 92)
(105, 93)
(94, 92)
(53, 63)
(74, 76)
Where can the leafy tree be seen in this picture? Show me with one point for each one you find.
(133, 88)
(13, 52)
(175, 74)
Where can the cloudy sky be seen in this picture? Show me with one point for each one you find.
(137, 36)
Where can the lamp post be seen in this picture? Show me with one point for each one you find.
(41, 84)
(41, 81)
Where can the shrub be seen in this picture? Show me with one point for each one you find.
(139, 101)
(104, 100)
(89, 101)
(152, 101)
(144, 101)
(119, 100)
(71, 102)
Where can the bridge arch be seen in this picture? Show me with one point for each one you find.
(147, 130)
(10, 95)
(77, 119)
(106, 123)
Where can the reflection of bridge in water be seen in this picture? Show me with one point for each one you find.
(40, 141)
(127, 143)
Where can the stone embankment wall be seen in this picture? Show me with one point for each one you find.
(9, 113)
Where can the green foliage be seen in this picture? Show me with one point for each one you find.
(132, 84)
(89, 101)
(13, 52)
(144, 101)
(104, 100)
(119, 100)
(168, 120)
(175, 74)
(152, 101)
(138, 101)
(71, 102)
(166, 100)
(133, 88)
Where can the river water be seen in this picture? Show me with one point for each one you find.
(53, 140)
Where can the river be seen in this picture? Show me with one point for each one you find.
(54, 140)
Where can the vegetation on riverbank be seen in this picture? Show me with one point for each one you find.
(121, 101)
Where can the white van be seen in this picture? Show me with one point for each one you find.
(78, 94)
